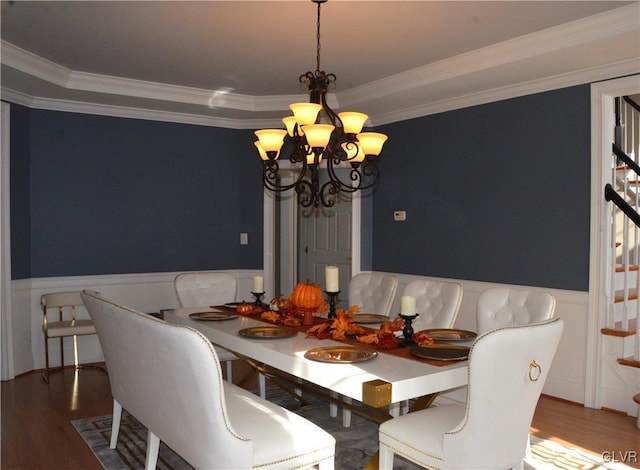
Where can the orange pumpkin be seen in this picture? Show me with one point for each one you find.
(307, 295)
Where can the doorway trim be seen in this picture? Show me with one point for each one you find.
(288, 234)
(602, 125)
(6, 342)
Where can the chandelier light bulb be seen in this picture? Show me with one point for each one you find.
(290, 122)
(311, 158)
(371, 142)
(318, 135)
(352, 122)
(261, 152)
(305, 113)
(271, 140)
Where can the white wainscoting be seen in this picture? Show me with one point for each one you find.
(567, 376)
(143, 292)
(152, 292)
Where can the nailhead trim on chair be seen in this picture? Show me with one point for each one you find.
(315, 462)
(402, 454)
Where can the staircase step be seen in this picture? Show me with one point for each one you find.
(631, 268)
(618, 331)
(629, 361)
(633, 295)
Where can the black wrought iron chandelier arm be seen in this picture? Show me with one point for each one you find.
(271, 176)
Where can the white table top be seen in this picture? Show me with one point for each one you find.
(408, 378)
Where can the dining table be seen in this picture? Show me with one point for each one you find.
(379, 380)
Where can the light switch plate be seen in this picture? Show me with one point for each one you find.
(244, 238)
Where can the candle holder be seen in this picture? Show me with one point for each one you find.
(407, 331)
(258, 302)
(332, 304)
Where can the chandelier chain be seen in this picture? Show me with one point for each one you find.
(318, 40)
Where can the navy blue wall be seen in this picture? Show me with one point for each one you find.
(497, 193)
(20, 203)
(111, 195)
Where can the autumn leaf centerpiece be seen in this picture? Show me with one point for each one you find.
(338, 328)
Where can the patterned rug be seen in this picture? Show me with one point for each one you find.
(355, 445)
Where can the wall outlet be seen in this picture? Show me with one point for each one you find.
(399, 216)
(244, 238)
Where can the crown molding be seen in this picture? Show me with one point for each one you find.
(593, 74)
(602, 26)
(98, 109)
(605, 25)
(34, 65)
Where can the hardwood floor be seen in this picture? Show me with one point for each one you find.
(37, 433)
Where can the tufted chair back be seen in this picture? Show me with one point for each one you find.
(504, 306)
(205, 288)
(508, 368)
(437, 302)
(373, 292)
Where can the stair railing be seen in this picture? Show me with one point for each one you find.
(624, 192)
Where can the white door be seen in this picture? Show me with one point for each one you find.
(324, 238)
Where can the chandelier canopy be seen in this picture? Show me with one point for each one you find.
(315, 133)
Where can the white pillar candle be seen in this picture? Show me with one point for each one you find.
(258, 285)
(408, 305)
(331, 279)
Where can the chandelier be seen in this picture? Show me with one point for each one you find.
(315, 133)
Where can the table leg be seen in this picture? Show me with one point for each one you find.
(421, 403)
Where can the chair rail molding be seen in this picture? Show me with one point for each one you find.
(147, 292)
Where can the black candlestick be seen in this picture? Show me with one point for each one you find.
(332, 304)
(258, 302)
(407, 331)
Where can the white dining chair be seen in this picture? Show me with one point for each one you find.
(205, 289)
(508, 306)
(437, 302)
(170, 379)
(373, 292)
(498, 307)
(507, 371)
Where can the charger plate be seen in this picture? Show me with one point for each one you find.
(340, 354)
(212, 315)
(449, 334)
(442, 352)
(268, 332)
(365, 318)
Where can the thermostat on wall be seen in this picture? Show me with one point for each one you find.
(399, 216)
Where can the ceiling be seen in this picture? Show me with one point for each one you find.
(236, 63)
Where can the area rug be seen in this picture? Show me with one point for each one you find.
(354, 445)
